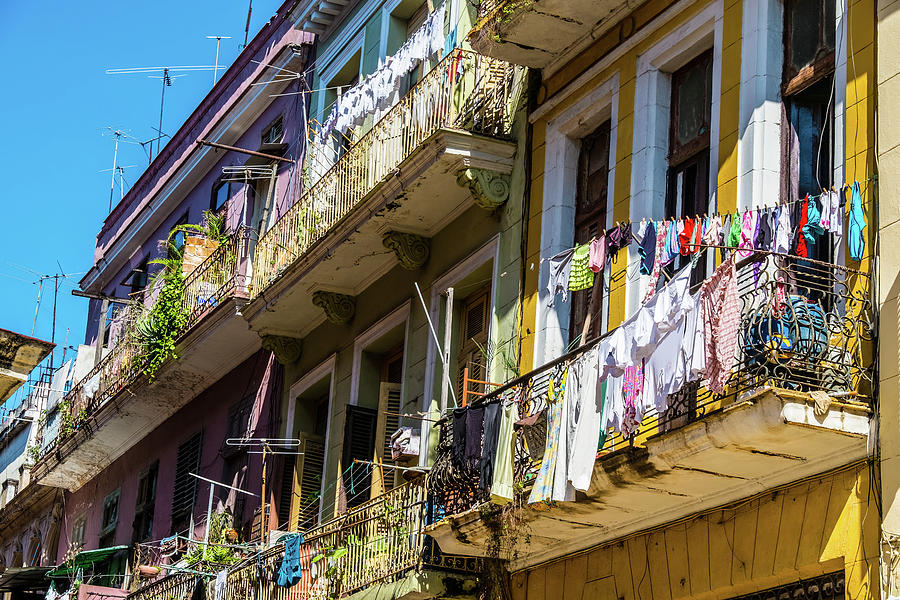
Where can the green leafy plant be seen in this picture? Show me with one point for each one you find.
(216, 551)
(212, 226)
(158, 328)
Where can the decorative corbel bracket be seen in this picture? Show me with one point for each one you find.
(489, 188)
(287, 350)
(412, 250)
(339, 308)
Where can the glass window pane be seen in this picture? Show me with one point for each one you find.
(805, 19)
(693, 102)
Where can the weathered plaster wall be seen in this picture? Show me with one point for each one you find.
(208, 413)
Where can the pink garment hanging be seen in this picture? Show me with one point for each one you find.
(597, 254)
(633, 389)
(721, 314)
(747, 230)
(661, 234)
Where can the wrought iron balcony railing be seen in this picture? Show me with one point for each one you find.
(464, 91)
(218, 277)
(177, 586)
(373, 543)
(805, 325)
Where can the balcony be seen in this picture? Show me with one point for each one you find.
(379, 543)
(534, 33)
(116, 405)
(412, 173)
(771, 426)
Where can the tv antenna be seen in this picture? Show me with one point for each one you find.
(120, 170)
(218, 39)
(165, 75)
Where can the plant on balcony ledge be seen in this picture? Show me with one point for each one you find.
(158, 328)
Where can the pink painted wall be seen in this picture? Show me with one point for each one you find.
(260, 377)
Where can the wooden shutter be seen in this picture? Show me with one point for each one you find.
(185, 490)
(359, 444)
(388, 423)
(307, 480)
(286, 491)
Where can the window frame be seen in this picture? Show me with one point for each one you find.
(823, 65)
(214, 194)
(682, 152)
(582, 302)
(277, 121)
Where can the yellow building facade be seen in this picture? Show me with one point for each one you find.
(810, 532)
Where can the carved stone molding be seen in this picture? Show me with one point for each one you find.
(339, 308)
(286, 349)
(412, 250)
(489, 188)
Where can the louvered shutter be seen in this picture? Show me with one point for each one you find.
(286, 491)
(307, 502)
(185, 489)
(359, 444)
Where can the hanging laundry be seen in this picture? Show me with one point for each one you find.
(560, 267)
(837, 213)
(290, 572)
(721, 315)
(617, 238)
(684, 237)
(825, 212)
(220, 585)
(660, 369)
(765, 237)
(489, 446)
(856, 223)
(783, 230)
(813, 228)
(711, 230)
(801, 225)
(358, 102)
(597, 254)
(502, 483)
(589, 403)
(673, 248)
(734, 234)
(543, 488)
(458, 451)
(615, 413)
(580, 275)
(474, 431)
(697, 239)
(661, 233)
(747, 230)
(647, 249)
(633, 394)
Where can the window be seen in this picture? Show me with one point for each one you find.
(359, 444)
(109, 520)
(473, 342)
(144, 507)
(807, 132)
(590, 219)
(176, 246)
(687, 179)
(136, 280)
(808, 42)
(77, 537)
(221, 192)
(185, 489)
(274, 132)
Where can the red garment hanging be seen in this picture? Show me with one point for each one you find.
(804, 218)
(684, 238)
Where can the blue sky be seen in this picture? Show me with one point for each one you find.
(56, 105)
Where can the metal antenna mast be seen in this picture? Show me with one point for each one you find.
(247, 26)
(218, 39)
(166, 76)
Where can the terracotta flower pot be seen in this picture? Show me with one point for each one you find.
(148, 571)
